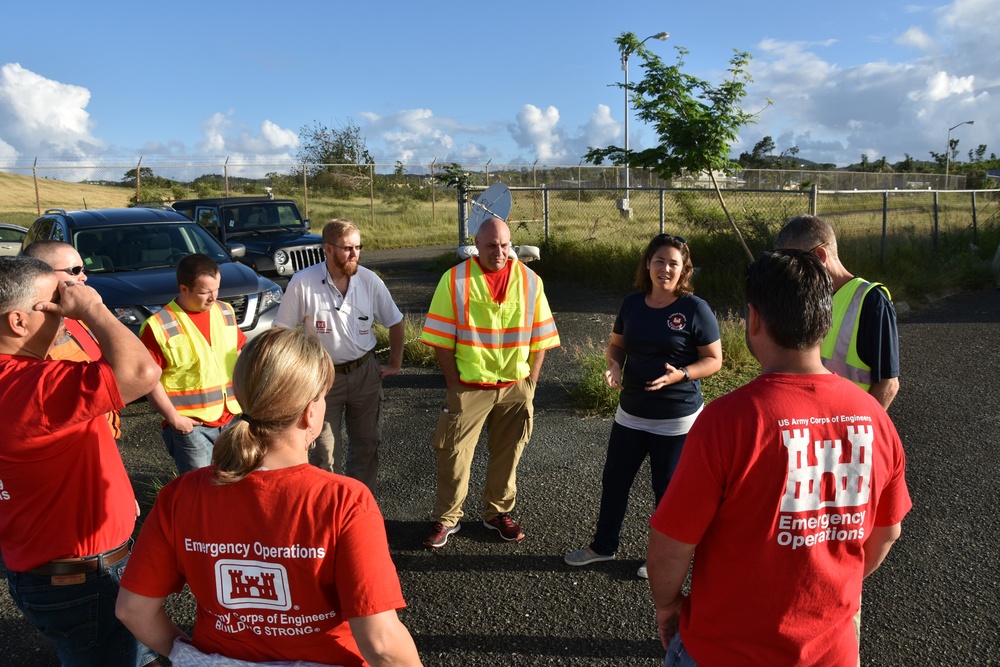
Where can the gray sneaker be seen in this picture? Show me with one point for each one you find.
(585, 556)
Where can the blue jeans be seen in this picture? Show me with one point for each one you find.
(627, 449)
(191, 450)
(677, 656)
(80, 619)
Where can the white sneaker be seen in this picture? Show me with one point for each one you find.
(585, 556)
(641, 572)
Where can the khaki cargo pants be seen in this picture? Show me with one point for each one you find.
(507, 414)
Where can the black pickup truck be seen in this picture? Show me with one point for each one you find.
(277, 239)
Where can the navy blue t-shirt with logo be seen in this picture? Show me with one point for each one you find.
(654, 337)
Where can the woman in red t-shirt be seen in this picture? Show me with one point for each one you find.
(286, 561)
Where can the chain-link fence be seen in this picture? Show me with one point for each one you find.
(405, 205)
(540, 215)
(785, 179)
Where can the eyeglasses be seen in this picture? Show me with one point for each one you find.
(671, 237)
(73, 270)
(349, 248)
(817, 247)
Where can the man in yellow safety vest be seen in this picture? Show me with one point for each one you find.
(490, 325)
(195, 340)
(863, 343)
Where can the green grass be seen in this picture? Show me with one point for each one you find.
(415, 353)
(593, 397)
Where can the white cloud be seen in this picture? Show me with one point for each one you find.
(941, 86)
(916, 38)
(39, 116)
(224, 137)
(538, 130)
(413, 135)
(601, 130)
(890, 106)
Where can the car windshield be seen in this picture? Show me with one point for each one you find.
(258, 217)
(143, 246)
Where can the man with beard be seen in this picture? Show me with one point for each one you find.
(339, 301)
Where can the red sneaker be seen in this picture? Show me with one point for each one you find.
(507, 527)
(440, 534)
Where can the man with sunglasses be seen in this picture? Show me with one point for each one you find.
(339, 301)
(863, 343)
(77, 343)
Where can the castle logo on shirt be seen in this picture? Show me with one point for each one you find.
(249, 583)
(677, 321)
(828, 483)
(320, 326)
(827, 473)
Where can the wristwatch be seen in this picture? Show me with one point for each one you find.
(687, 376)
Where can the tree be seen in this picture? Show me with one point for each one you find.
(324, 151)
(696, 122)
(758, 158)
(144, 173)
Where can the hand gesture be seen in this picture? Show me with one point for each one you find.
(613, 376)
(76, 301)
(672, 376)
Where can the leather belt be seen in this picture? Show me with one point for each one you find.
(351, 365)
(83, 565)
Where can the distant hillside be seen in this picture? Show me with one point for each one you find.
(17, 196)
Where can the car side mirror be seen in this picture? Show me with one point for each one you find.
(237, 250)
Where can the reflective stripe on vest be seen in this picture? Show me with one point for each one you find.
(488, 337)
(840, 347)
(215, 368)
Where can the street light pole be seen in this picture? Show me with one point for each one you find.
(947, 153)
(623, 204)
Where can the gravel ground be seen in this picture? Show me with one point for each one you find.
(479, 601)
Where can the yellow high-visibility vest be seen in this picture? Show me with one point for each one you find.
(491, 340)
(199, 377)
(840, 347)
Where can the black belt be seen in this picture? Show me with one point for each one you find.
(351, 365)
(83, 565)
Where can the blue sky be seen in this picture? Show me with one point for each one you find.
(510, 82)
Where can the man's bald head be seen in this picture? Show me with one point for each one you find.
(493, 244)
(61, 256)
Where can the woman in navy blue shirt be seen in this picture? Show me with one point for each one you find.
(663, 342)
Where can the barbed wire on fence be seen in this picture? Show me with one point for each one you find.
(570, 202)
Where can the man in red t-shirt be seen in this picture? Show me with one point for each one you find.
(792, 489)
(67, 508)
(77, 344)
(195, 339)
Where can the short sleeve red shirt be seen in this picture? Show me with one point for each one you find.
(779, 484)
(277, 562)
(64, 492)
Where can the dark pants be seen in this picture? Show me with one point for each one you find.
(79, 619)
(627, 449)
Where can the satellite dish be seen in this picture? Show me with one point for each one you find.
(494, 202)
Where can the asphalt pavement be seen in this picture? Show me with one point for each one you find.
(480, 601)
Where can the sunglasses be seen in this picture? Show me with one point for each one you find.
(73, 270)
(671, 237)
